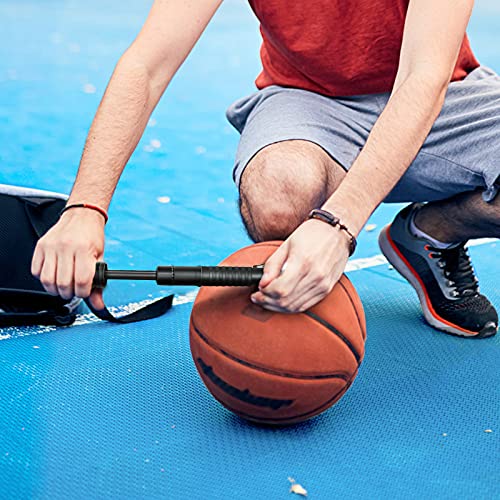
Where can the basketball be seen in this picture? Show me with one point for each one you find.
(275, 368)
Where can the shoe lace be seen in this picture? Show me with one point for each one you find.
(457, 268)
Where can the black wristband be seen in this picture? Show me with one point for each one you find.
(334, 221)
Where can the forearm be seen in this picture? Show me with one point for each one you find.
(117, 128)
(393, 143)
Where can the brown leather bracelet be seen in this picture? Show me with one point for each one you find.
(334, 221)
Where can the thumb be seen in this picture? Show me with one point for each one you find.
(274, 265)
(95, 298)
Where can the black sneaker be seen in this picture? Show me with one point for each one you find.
(444, 280)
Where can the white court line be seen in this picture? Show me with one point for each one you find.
(88, 318)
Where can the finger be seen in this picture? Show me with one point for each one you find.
(274, 264)
(292, 302)
(291, 281)
(277, 294)
(64, 275)
(95, 297)
(37, 262)
(275, 308)
(319, 292)
(316, 299)
(313, 297)
(48, 273)
(96, 300)
(84, 275)
(297, 307)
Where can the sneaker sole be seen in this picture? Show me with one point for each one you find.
(398, 261)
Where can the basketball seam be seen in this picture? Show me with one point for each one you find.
(265, 369)
(363, 332)
(331, 328)
(325, 323)
(312, 412)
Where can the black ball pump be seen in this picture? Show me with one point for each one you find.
(184, 275)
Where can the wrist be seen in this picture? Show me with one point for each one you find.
(333, 220)
(81, 214)
(352, 211)
(87, 206)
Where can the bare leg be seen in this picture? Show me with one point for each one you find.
(282, 184)
(462, 217)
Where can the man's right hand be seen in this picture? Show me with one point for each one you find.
(65, 257)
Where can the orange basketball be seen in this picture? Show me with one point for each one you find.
(276, 368)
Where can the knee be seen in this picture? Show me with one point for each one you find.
(278, 188)
(272, 221)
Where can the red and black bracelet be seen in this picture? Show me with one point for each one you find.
(334, 221)
(86, 205)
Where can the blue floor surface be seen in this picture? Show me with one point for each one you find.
(109, 411)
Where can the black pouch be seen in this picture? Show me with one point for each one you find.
(25, 216)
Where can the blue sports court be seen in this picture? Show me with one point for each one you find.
(99, 410)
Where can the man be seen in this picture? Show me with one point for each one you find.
(359, 102)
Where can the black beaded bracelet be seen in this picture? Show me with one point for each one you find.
(334, 221)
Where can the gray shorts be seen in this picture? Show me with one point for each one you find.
(461, 153)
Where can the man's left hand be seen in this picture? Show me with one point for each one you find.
(304, 269)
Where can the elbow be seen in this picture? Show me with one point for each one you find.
(433, 81)
(131, 68)
(148, 73)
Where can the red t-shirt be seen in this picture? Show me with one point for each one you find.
(336, 47)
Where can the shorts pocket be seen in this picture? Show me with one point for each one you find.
(238, 112)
